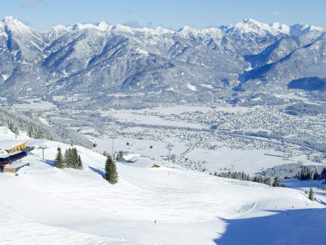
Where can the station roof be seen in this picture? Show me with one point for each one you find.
(9, 144)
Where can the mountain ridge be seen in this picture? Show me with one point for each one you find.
(190, 64)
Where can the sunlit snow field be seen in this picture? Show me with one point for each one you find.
(167, 205)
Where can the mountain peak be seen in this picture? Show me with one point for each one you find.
(281, 27)
(7, 19)
(12, 20)
(300, 29)
(102, 26)
(186, 30)
(122, 28)
(15, 24)
(250, 27)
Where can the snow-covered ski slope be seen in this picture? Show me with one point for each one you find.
(167, 205)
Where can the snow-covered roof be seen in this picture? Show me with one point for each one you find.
(9, 144)
(3, 153)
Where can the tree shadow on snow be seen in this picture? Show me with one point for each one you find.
(49, 162)
(322, 193)
(303, 226)
(98, 171)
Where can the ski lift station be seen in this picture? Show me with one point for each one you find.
(10, 152)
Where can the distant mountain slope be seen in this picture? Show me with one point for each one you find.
(31, 124)
(297, 62)
(99, 61)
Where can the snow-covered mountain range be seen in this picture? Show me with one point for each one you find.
(105, 63)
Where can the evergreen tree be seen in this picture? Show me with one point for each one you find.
(31, 131)
(68, 158)
(111, 174)
(14, 128)
(305, 174)
(75, 160)
(276, 183)
(72, 159)
(323, 174)
(58, 160)
(255, 179)
(120, 157)
(80, 163)
(268, 181)
(311, 195)
(315, 175)
(39, 134)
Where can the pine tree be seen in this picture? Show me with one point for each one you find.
(255, 179)
(305, 174)
(268, 181)
(31, 131)
(39, 135)
(276, 183)
(120, 157)
(68, 158)
(80, 163)
(323, 174)
(72, 159)
(311, 195)
(58, 160)
(75, 160)
(111, 174)
(315, 175)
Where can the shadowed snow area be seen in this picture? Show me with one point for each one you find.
(304, 226)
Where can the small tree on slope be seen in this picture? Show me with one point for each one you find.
(111, 174)
(311, 195)
(68, 159)
(72, 159)
(276, 183)
(76, 161)
(59, 160)
(80, 163)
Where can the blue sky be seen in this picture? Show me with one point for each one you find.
(173, 14)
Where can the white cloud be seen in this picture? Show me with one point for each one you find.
(275, 13)
(31, 3)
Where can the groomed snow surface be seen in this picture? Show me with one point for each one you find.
(168, 205)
